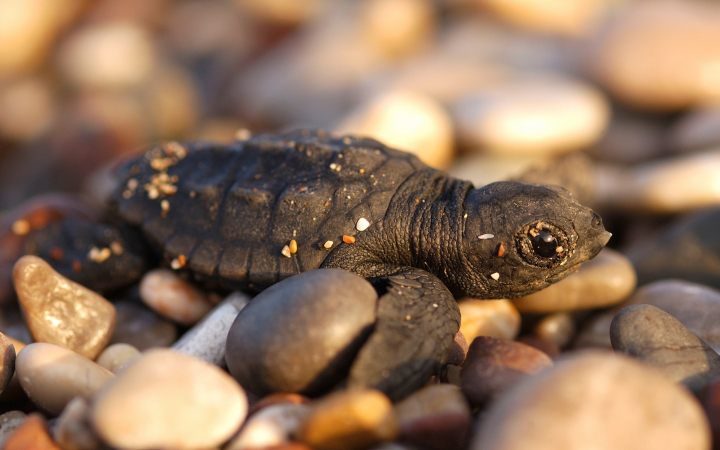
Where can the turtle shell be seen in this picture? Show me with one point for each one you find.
(226, 212)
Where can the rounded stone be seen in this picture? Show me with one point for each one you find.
(498, 318)
(660, 56)
(51, 376)
(32, 434)
(558, 328)
(398, 27)
(9, 422)
(605, 280)
(595, 397)
(657, 338)
(116, 356)
(349, 420)
(141, 327)
(547, 116)
(696, 130)
(60, 311)
(493, 365)
(299, 335)
(270, 427)
(168, 294)
(168, 400)
(27, 109)
(7, 361)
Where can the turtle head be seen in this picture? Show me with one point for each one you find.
(520, 238)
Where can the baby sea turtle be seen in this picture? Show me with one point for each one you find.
(252, 213)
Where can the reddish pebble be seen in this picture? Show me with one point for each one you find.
(31, 435)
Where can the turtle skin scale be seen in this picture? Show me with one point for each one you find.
(229, 214)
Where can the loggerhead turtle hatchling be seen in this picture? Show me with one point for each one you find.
(252, 213)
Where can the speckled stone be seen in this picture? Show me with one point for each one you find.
(31, 435)
(348, 420)
(493, 365)
(270, 427)
(51, 375)
(117, 356)
(206, 340)
(435, 417)
(605, 280)
(173, 297)
(9, 422)
(60, 311)
(657, 338)
(497, 318)
(298, 335)
(595, 397)
(169, 400)
(142, 328)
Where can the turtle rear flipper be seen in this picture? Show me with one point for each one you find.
(417, 320)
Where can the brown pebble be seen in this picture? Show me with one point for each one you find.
(549, 348)
(31, 435)
(60, 311)
(493, 365)
(458, 350)
(501, 249)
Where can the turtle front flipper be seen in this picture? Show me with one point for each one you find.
(417, 319)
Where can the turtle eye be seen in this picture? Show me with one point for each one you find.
(544, 243)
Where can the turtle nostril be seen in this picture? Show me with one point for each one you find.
(596, 220)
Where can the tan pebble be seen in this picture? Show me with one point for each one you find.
(549, 116)
(60, 311)
(398, 27)
(435, 417)
(72, 430)
(405, 120)
(168, 294)
(51, 375)
(9, 422)
(604, 281)
(564, 17)
(458, 350)
(558, 328)
(172, 101)
(7, 361)
(27, 109)
(661, 56)
(349, 420)
(107, 55)
(272, 426)
(612, 401)
(31, 435)
(497, 318)
(116, 356)
(281, 11)
(169, 400)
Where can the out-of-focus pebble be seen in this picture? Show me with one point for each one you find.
(171, 101)
(657, 338)
(567, 17)
(142, 328)
(51, 375)
(279, 398)
(281, 12)
(272, 426)
(398, 27)
(9, 422)
(108, 55)
(73, 430)
(710, 399)
(28, 31)
(696, 130)
(169, 295)
(533, 117)
(549, 348)
(405, 120)
(595, 397)
(498, 318)
(459, 350)
(7, 361)
(295, 336)
(435, 417)
(558, 328)
(207, 339)
(32, 434)
(606, 280)
(60, 311)
(687, 250)
(595, 332)
(348, 420)
(116, 356)
(482, 169)
(631, 138)
(661, 55)
(169, 400)
(493, 365)
(27, 109)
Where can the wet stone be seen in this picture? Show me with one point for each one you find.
(493, 365)
(271, 426)
(656, 338)
(605, 280)
(31, 435)
(60, 311)
(497, 318)
(207, 339)
(349, 420)
(436, 417)
(141, 327)
(171, 296)
(299, 335)
(169, 400)
(599, 398)
(51, 375)
(9, 422)
(116, 356)
(7, 361)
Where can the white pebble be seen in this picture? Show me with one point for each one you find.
(328, 244)
(495, 276)
(486, 236)
(362, 224)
